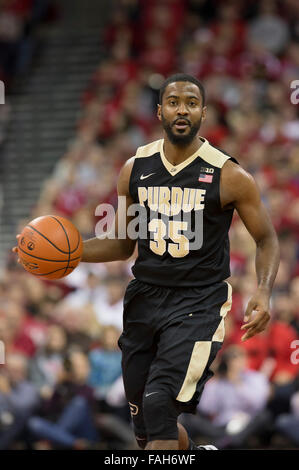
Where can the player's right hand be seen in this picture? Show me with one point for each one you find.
(15, 248)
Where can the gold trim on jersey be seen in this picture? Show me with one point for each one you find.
(201, 354)
(213, 156)
(175, 169)
(149, 149)
(206, 152)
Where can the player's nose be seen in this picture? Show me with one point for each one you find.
(182, 110)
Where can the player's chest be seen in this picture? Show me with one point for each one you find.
(189, 189)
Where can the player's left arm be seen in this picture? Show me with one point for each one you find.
(239, 189)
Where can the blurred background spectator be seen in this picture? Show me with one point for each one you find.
(288, 424)
(246, 53)
(230, 412)
(67, 419)
(18, 399)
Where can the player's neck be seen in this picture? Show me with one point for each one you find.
(177, 154)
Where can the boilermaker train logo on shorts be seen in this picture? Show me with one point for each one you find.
(2, 353)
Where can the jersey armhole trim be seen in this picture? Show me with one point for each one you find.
(130, 179)
(216, 157)
(149, 149)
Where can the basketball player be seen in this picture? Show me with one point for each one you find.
(174, 309)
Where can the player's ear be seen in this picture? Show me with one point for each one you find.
(159, 112)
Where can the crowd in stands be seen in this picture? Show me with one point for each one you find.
(20, 43)
(19, 20)
(61, 337)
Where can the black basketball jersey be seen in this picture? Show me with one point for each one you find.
(185, 241)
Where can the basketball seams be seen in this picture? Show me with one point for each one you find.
(46, 259)
(52, 272)
(79, 236)
(46, 238)
(67, 239)
(53, 244)
(50, 267)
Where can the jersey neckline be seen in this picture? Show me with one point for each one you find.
(175, 169)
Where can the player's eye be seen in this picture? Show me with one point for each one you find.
(192, 103)
(172, 102)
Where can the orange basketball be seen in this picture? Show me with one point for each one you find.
(50, 247)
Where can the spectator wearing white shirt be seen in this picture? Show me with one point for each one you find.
(233, 403)
(105, 296)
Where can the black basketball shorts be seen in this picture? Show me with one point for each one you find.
(170, 338)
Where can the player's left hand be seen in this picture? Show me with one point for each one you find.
(257, 314)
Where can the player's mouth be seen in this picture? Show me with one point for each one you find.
(181, 124)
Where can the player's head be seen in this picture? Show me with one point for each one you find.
(182, 107)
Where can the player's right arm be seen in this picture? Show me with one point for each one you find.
(99, 250)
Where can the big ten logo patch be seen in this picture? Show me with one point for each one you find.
(207, 170)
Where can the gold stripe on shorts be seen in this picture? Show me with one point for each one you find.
(199, 359)
(201, 353)
(220, 332)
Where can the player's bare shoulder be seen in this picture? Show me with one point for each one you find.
(236, 184)
(123, 182)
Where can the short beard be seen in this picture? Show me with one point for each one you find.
(184, 139)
